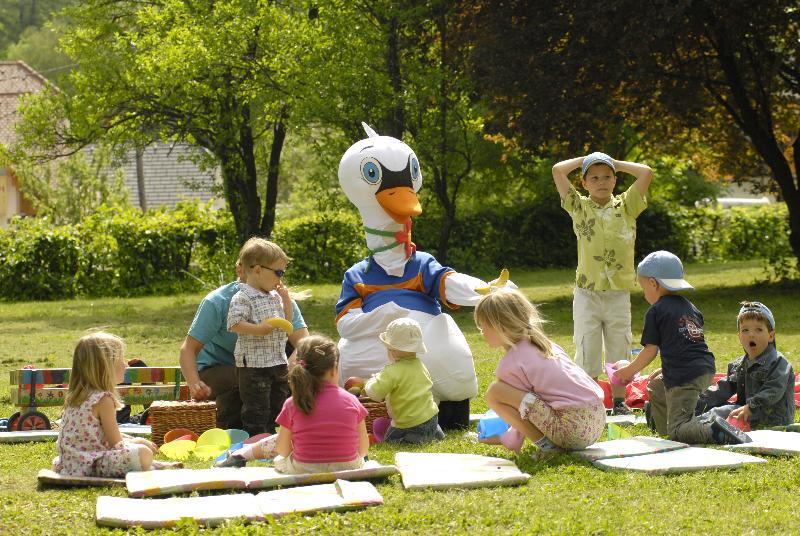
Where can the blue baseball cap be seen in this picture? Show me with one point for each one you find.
(596, 158)
(756, 307)
(666, 268)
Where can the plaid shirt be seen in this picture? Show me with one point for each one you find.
(254, 306)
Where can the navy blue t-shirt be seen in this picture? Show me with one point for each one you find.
(675, 325)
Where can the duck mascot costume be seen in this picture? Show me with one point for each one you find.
(381, 176)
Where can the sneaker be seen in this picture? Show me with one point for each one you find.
(724, 433)
(621, 409)
(232, 460)
(648, 416)
(545, 449)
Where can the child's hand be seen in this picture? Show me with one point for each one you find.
(624, 374)
(282, 291)
(146, 442)
(741, 413)
(266, 328)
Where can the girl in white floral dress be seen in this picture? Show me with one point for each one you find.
(89, 442)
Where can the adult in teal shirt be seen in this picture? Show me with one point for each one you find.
(206, 356)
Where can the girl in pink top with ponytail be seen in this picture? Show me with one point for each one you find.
(322, 426)
(540, 392)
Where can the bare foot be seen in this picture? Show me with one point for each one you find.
(166, 465)
(491, 440)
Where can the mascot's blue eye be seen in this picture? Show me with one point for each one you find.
(415, 174)
(371, 171)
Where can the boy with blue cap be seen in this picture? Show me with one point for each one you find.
(605, 227)
(762, 379)
(673, 326)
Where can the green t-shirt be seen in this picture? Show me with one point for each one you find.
(406, 386)
(606, 237)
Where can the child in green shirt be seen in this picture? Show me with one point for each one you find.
(605, 226)
(406, 385)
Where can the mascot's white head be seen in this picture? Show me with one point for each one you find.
(381, 177)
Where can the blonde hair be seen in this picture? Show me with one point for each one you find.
(260, 251)
(93, 367)
(316, 355)
(514, 318)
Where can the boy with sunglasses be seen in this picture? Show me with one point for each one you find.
(260, 348)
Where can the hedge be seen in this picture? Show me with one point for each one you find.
(191, 247)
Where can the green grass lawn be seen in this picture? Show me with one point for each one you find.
(563, 496)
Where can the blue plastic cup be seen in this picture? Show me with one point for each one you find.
(490, 425)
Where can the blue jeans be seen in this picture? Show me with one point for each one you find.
(722, 411)
(417, 435)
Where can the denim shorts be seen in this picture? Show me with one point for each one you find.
(422, 433)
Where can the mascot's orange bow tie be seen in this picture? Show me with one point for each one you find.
(403, 236)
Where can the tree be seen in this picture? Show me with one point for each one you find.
(219, 74)
(564, 74)
(18, 15)
(72, 188)
(426, 100)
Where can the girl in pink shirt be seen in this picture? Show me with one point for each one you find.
(322, 426)
(540, 392)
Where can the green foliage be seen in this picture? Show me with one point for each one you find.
(69, 190)
(38, 47)
(191, 247)
(40, 261)
(113, 252)
(322, 246)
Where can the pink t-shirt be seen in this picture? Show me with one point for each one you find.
(330, 433)
(559, 382)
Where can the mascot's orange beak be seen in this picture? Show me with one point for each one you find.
(400, 203)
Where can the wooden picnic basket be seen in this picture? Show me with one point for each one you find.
(374, 409)
(166, 415)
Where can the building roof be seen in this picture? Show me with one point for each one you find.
(169, 176)
(16, 79)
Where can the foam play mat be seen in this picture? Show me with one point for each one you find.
(46, 477)
(625, 448)
(770, 442)
(424, 470)
(213, 510)
(679, 461)
(152, 483)
(52, 435)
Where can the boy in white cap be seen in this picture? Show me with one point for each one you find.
(673, 326)
(405, 384)
(605, 227)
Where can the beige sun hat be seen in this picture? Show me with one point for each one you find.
(404, 334)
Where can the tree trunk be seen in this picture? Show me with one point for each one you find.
(396, 120)
(278, 137)
(441, 184)
(235, 151)
(140, 179)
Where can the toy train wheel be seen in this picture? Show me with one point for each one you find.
(12, 422)
(33, 421)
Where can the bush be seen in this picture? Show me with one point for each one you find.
(322, 246)
(191, 247)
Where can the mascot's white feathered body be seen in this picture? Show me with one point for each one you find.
(381, 176)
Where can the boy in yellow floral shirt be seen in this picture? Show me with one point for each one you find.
(605, 225)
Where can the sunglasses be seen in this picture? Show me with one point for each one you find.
(279, 273)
